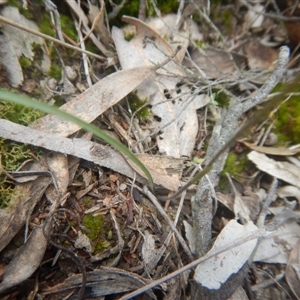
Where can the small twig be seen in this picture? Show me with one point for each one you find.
(116, 10)
(84, 56)
(51, 7)
(120, 239)
(49, 38)
(142, 10)
(266, 203)
(266, 134)
(169, 221)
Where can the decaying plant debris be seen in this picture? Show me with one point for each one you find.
(82, 222)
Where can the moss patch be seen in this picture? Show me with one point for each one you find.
(139, 105)
(95, 231)
(13, 154)
(235, 165)
(287, 124)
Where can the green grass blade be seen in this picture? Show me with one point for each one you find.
(30, 102)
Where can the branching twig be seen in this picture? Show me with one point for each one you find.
(170, 223)
(223, 132)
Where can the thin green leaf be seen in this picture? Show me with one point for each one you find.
(30, 102)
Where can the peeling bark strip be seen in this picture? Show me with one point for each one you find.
(96, 153)
(166, 172)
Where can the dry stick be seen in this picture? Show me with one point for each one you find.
(49, 38)
(202, 204)
(52, 8)
(261, 233)
(170, 223)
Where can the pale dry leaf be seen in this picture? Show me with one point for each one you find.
(214, 272)
(83, 241)
(21, 40)
(165, 170)
(95, 100)
(252, 202)
(190, 235)
(279, 169)
(214, 62)
(254, 17)
(260, 57)
(166, 27)
(27, 259)
(276, 248)
(279, 151)
(149, 253)
(10, 61)
(59, 168)
(239, 208)
(292, 273)
(289, 191)
(239, 294)
(172, 103)
(96, 17)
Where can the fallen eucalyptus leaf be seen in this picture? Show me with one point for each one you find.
(276, 248)
(272, 150)
(214, 272)
(279, 169)
(27, 259)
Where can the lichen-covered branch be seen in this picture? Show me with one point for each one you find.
(224, 130)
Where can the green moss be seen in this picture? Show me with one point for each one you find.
(287, 122)
(59, 100)
(18, 113)
(25, 12)
(93, 225)
(13, 154)
(235, 165)
(96, 230)
(68, 27)
(25, 62)
(129, 37)
(136, 105)
(7, 192)
(55, 71)
(45, 25)
(220, 98)
(90, 46)
(227, 20)
(86, 201)
(167, 6)
(101, 246)
(131, 8)
(200, 44)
